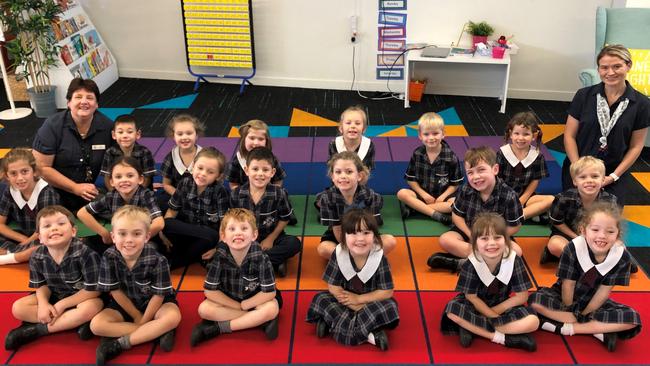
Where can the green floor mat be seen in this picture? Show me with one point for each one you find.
(298, 203)
(420, 225)
(313, 226)
(534, 230)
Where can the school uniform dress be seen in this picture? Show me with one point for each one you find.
(577, 263)
(241, 282)
(105, 206)
(493, 288)
(77, 158)
(79, 270)
(635, 116)
(365, 150)
(503, 200)
(434, 177)
(353, 327)
(195, 229)
(333, 206)
(140, 153)
(519, 173)
(272, 208)
(567, 209)
(174, 169)
(16, 210)
(235, 173)
(149, 276)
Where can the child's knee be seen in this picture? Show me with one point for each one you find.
(204, 309)
(97, 324)
(172, 317)
(389, 242)
(325, 249)
(532, 323)
(403, 193)
(272, 309)
(517, 249)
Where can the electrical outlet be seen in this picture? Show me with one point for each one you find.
(354, 37)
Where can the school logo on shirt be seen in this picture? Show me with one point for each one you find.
(252, 284)
(268, 221)
(79, 285)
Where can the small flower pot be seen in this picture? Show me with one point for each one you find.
(416, 90)
(498, 52)
(479, 39)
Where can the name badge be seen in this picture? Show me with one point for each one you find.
(99, 147)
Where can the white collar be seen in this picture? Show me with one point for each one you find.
(368, 270)
(513, 160)
(242, 161)
(33, 199)
(363, 147)
(178, 162)
(505, 270)
(582, 252)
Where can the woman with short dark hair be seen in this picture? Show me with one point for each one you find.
(70, 145)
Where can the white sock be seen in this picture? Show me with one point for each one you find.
(599, 336)
(371, 339)
(567, 329)
(549, 327)
(499, 338)
(9, 258)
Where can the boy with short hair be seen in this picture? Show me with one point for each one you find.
(588, 174)
(143, 305)
(126, 133)
(484, 192)
(433, 173)
(270, 205)
(64, 273)
(239, 287)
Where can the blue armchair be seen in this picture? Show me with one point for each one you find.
(627, 26)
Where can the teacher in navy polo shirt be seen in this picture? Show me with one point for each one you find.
(608, 120)
(70, 145)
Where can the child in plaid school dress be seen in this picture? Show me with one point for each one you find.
(126, 178)
(487, 279)
(590, 266)
(587, 174)
(20, 203)
(522, 166)
(239, 287)
(358, 306)
(126, 133)
(185, 130)
(271, 207)
(347, 172)
(143, 303)
(433, 173)
(64, 273)
(195, 210)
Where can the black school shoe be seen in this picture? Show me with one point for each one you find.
(544, 320)
(609, 340)
(282, 269)
(108, 349)
(381, 339)
(547, 257)
(634, 268)
(84, 331)
(521, 341)
(465, 337)
(443, 261)
(203, 331)
(25, 333)
(167, 340)
(321, 328)
(404, 210)
(271, 328)
(293, 221)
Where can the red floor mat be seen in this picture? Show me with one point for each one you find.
(407, 342)
(8, 322)
(447, 350)
(588, 350)
(245, 347)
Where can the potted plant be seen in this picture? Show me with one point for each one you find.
(479, 31)
(34, 49)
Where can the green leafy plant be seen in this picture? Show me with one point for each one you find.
(479, 29)
(35, 48)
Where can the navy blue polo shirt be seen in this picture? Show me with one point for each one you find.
(635, 117)
(59, 136)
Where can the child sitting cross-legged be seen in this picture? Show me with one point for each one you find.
(239, 287)
(143, 305)
(64, 273)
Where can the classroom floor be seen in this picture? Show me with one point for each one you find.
(303, 122)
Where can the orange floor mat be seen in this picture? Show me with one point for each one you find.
(544, 275)
(428, 279)
(15, 277)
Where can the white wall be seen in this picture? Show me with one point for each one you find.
(305, 43)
